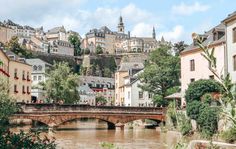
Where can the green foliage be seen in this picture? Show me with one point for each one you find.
(208, 122)
(179, 47)
(107, 145)
(107, 73)
(159, 101)
(207, 99)
(74, 40)
(171, 113)
(184, 124)
(100, 100)
(99, 50)
(194, 109)
(7, 104)
(229, 135)
(15, 47)
(162, 72)
(62, 84)
(9, 140)
(198, 88)
(86, 51)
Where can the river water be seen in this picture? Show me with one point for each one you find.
(91, 133)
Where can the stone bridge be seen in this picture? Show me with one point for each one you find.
(55, 114)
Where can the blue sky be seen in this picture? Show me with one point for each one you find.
(173, 19)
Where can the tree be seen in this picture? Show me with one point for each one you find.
(107, 73)
(87, 51)
(179, 47)
(62, 84)
(75, 41)
(99, 50)
(198, 88)
(9, 140)
(100, 100)
(15, 47)
(161, 72)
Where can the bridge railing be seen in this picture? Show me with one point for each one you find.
(44, 107)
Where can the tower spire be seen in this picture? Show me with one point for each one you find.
(121, 27)
(153, 33)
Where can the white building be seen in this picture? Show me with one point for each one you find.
(134, 95)
(87, 95)
(38, 75)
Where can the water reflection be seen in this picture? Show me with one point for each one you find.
(89, 134)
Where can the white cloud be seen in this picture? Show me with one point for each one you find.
(174, 35)
(185, 9)
(142, 30)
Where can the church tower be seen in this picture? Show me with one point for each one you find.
(121, 27)
(153, 33)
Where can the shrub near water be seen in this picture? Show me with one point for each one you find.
(199, 88)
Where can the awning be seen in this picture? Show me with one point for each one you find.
(174, 96)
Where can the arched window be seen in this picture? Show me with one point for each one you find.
(40, 68)
(234, 35)
(234, 62)
(34, 68)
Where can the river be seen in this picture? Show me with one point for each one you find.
(90, 134)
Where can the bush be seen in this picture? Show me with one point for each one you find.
(87, 51)
(184, 124)
(208, 122)
(171, 112)
(229, 135)
(198, 88)
(194, 109)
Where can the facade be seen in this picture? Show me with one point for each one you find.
(61, 47)
(194, 66)
(6, 33)
(101, 86)
(39, 69)
(20, 31)
(134, 95)
(18, 74)
(118, 41)
(87, 95)
(124, 70)
(230, 23)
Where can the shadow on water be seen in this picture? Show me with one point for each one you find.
(79, 129)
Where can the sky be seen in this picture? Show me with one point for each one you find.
(175, 20)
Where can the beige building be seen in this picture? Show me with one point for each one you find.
(194, 66)
(18, 74)
(118, 41)
(124, 70)
(6, 33)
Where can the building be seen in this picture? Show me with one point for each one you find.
(118, 41)
(102, 86)
(133, 94)
(61, 47)
(194, 66)
(6, 33)
(18, 73)
(124, 70)
(19, 30)
(230, 23)
(39, 70)
(87, 95)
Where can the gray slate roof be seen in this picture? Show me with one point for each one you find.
(97, 80)
(209, 36)
(130, 65)
(34, 61)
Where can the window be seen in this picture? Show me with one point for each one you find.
(192, 65)
(234, 62)
(128, 94)
(34, 78)
(40, 68)
(211, 77)
(149, 95)
(234, 35)
(15, 89)
(39, 78)
(34, 68)
(15, 74)
(28, 78)
(192, 80)
(23, 89)
(140, 94)
(23, 75)
(28, 91)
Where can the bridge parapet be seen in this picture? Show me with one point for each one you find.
(43, 108)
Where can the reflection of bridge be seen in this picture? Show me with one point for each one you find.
(54, 114)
